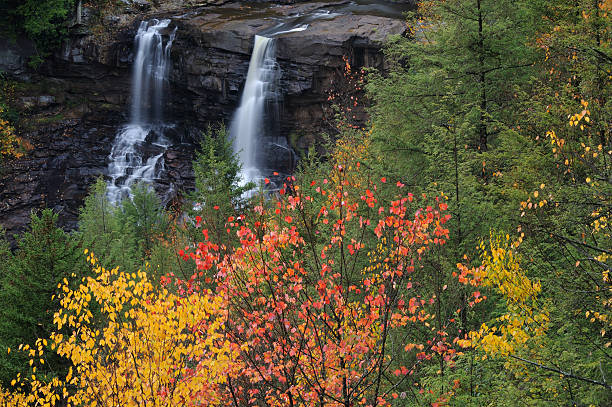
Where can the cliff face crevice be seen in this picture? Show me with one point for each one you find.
(79, 100)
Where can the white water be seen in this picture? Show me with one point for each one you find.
(137, 153)
(248, 127)
(255, 125)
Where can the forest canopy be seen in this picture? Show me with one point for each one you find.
(453, 251)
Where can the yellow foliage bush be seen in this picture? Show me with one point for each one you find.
(9, 142)
(131, 343)
(524, 318)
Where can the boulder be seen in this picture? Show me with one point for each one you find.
(36, 102)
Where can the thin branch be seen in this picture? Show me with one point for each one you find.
(565, 374)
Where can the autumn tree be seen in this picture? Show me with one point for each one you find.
(317, 303)
(10, 142)
(322, 296)
(129, 342)
(565, 218)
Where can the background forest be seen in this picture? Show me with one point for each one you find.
(454, 251)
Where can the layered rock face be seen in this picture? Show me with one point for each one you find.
(75, 108)
(213, 49)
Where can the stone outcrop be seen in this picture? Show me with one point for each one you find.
(74, 109)
(213, 49)
(14, 56)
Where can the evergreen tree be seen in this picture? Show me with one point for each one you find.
(144, 211)
(103, 231)
(45, 256)
(218, 193)
(444, 108)
(505, 105)
(442, 121)
(154, 231)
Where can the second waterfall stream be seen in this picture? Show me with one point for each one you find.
(258, 111)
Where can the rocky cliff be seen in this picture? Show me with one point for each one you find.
(73, 107)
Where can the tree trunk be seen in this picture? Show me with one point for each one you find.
(79, 10)
(482, 125)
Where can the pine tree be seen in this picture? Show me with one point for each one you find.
(218, 193)
(443, 110)
(442, 119)
(45, 256)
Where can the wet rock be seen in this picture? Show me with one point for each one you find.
(136, 5)
(14, 56)
(212, 51)
(142, 5)
(112, 20)
(32, 102)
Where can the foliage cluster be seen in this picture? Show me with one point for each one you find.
(44, 22)
(504, 106)
(316, 300)
(129, 236)
(10, 143)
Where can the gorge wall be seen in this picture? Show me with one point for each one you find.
(72, 107)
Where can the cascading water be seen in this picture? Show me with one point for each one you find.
(137, 153)
(256, 123)
(258, 108)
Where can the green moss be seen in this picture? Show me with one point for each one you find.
(51, 119)
(293, 140)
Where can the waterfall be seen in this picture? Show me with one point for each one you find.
(258, 111)
(138, 149)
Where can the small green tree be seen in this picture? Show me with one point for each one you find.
(106, 233)
(45, 256)
(218, 191)
(136, 231)
(144, 211)
(153, 228)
